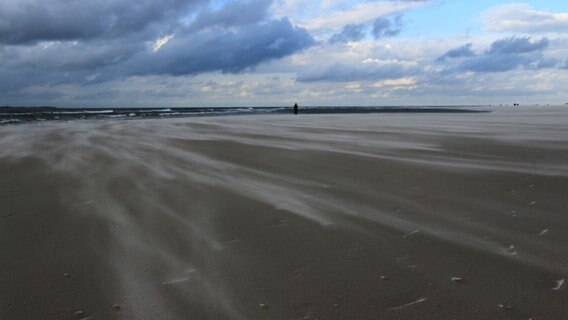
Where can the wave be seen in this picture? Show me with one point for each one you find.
(83, 112)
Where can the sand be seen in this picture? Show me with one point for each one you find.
(384, 216)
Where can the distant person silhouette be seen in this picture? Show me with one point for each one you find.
(295, 108)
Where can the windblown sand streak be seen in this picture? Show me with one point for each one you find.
(282, 217)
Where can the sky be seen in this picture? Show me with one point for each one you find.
(212, 53)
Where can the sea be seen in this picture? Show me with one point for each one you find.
(22, 115)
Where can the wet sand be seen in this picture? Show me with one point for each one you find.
(384, 216)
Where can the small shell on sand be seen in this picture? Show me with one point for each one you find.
(409, 304)
(559, 284)
(66, 275)
(384, 278)
(115, 307)
(411, 233)
(458, 279)
(79, 314)
(505, 307)
(263, 305)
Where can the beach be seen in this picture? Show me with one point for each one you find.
(336, 216)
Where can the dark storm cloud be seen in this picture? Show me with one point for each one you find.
(460, 52)
(387, 27)
(24, 21)
(84, 42)
(349, 73)
(69, 56)
(228, 51)
(211, 49)
(350, 32)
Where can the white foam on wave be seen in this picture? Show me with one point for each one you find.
(83, 112)
(6, 121)
(156, 110)
(178, 114)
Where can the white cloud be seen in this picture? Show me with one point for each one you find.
(400, 82)
(524, 18)
(160, 42)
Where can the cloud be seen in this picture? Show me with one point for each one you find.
(151, 37)
(382, 27)
(234, 13)
(73, 56)
(24, 21)
(515, 45)
(360, 72)
(223, 50)
(460, 52)
(359, 14)
(503, 55)
(350, 32)
(215, 52)
(385, 27)
(522, 18)
(499, 63)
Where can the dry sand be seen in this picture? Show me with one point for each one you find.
(385, 216)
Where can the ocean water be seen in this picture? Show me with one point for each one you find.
(19, 115)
